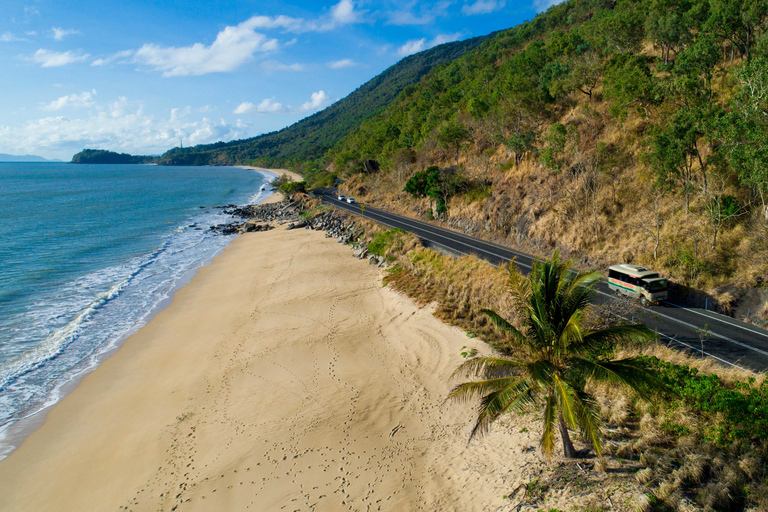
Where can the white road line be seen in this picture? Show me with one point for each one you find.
(726, 338)
(694, 327)
(696, 349)
(723, 320)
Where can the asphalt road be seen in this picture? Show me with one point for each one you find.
(696, 330)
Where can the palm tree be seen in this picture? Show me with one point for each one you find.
(552, 356)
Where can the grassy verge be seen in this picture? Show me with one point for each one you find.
(702, 447)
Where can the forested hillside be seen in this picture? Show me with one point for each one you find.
(311, 137)
(619, 131)
(101, 156)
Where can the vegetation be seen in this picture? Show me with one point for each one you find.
(631, 130)
(311, 137)
(101, 156)
(691, 449)
(552, 357)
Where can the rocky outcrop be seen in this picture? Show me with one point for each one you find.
(263, 217)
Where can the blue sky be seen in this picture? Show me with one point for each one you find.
(139, 77)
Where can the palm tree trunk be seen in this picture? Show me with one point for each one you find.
(568, 450)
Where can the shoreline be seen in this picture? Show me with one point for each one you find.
(282, 374)
(15, 433)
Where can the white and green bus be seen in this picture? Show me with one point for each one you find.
(637, 282)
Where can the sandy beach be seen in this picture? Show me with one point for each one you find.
(276, 196)
(283, 377)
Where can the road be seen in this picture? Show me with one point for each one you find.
(696, 330)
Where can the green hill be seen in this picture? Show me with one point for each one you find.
(311, 137)
(102, 156)
(619, 131)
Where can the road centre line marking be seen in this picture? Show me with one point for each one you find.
(504, 258)
(723, 320)
(726, 338)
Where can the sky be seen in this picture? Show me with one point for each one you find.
(143, 77)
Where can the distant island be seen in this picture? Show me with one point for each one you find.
(102, 156)
(24, 158)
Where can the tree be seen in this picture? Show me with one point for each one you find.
(552, 356)
(666, 25)
(746, 129)
(451, 134)
(521, 143)
(737, 21)
(676, 151)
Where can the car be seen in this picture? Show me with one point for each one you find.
(341, 198)
(350, 200)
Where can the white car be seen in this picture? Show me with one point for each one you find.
(350, 200)
(341, 198)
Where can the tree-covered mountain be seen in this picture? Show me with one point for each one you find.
(311, 137)
(620, 130)
(101, 156)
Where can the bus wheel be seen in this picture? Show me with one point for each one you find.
(643, 301)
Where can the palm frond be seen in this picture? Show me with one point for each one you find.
(548, 433)
(565, 401)
(487, 367)
(503, 325)
(630, 372)
(588, 417)
(493, 405)
(468, 390)
(542, 372)
(596, 341)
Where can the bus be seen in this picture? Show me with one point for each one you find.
(637, 282)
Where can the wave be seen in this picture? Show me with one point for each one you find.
(56, 342)
(65, 335)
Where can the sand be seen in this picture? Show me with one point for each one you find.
(277, 196)
(282, 377)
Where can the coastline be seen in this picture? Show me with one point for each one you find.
(282, 374)
(14, 434)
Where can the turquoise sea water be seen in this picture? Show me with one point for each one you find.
(87, 254)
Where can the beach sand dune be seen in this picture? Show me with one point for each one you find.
(283, 377)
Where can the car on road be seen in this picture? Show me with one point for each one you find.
(351, 200)
(341, 198)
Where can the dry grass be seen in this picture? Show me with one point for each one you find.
(600, 214)
(659, 443)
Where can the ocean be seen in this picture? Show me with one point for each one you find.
(88, 253)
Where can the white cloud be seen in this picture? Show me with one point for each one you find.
(267, 106)
(49, 59)
(115, 56)
(445, 38)
(84, 99)
(121, 126)
(286, 23)
(342, 64)
(270, 106)
(7, 37)
(425, 16)
(232, 48)
(344, 13)
(60, 33)
(418, 45)
(483, 7)
(543, 5)
(272, 65)
(319, 99)
(412, 46)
